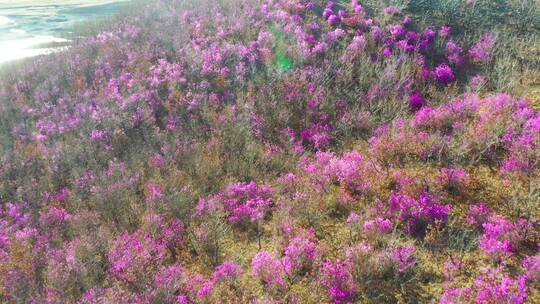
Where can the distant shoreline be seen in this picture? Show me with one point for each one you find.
(29, 30)
(14, 4)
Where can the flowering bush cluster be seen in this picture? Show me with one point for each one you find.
(416, 214)
(491, 286)
(350, 170)
(467, 130)
(502, 236)
(284, 151)
(241, 202)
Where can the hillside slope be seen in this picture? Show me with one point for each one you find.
(284, 151)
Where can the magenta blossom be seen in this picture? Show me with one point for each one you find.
(443, 74)
(416, 101)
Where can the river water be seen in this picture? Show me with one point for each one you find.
(27, 28)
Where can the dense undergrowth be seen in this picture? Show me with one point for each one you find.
(284, 151)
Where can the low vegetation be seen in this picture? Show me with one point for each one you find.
(284, 151)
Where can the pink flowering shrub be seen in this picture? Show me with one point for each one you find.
(481, 51)
(502, 237)
(532, 266)
(154, 191)
(241, 202)
(404, 257)
(228, 271)
(377, 227)
(269, 270)
(478, 128)
(453, 179)
(454, 53)
(416, 101)
(337, 277)
(300, 255)
(168, 281)
(492, 286)
(478, 215)
(524, 147)
(352, 171)
(417, 213)
(288, 151)
(444, 74)
(456, 295)
(134, 255)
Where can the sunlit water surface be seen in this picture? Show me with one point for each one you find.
(28, 28)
